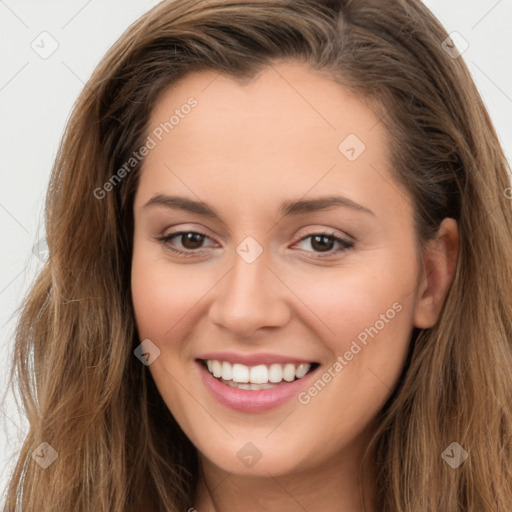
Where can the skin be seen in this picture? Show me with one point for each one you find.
(244, 150)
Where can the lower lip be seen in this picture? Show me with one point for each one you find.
(252, 401)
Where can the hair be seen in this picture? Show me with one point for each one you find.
(85, 394)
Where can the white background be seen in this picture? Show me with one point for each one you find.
(36, 97)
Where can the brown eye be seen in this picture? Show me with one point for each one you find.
(322, 242)
(192, 240)
(325, 244)
(185, 243)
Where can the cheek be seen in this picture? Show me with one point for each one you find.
(163, 300)
(163, 294)
(368, 312)
(362, 301)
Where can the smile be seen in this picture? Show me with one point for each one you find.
(256, 377)
(254, 388)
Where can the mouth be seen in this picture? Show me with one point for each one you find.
(257, 392)
(259, 377)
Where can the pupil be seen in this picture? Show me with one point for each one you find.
(323, 245)
(195, 239)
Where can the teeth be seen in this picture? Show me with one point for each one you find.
(289, 372)
(240, 373)
(301, 370)
(258, 374)
(227, 371)
(253, 387)
(256, 377)
(216, 369)
(275, 373)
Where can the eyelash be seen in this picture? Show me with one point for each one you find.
(345, 244)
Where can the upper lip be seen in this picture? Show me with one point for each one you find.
(253, 359)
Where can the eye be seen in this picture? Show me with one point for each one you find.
(190, 240)
(323, 243)
(192, 243)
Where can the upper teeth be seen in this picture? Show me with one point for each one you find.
(260, 374)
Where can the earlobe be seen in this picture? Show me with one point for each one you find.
(440, 260)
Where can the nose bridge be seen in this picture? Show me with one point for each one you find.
(250, 295)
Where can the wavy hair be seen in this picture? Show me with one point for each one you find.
(83, 391)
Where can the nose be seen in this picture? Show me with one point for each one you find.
(249, 298)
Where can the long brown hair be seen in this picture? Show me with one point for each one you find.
(87, 395)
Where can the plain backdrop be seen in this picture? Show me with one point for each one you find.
(37, 92)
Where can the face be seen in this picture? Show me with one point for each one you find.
(270, 275)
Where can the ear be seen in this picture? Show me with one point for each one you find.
(440, 258)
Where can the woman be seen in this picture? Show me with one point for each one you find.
(278, 278)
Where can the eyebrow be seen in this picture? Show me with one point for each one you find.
(288, 208)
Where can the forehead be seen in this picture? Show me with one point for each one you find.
(290, 130)
(287, 99)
